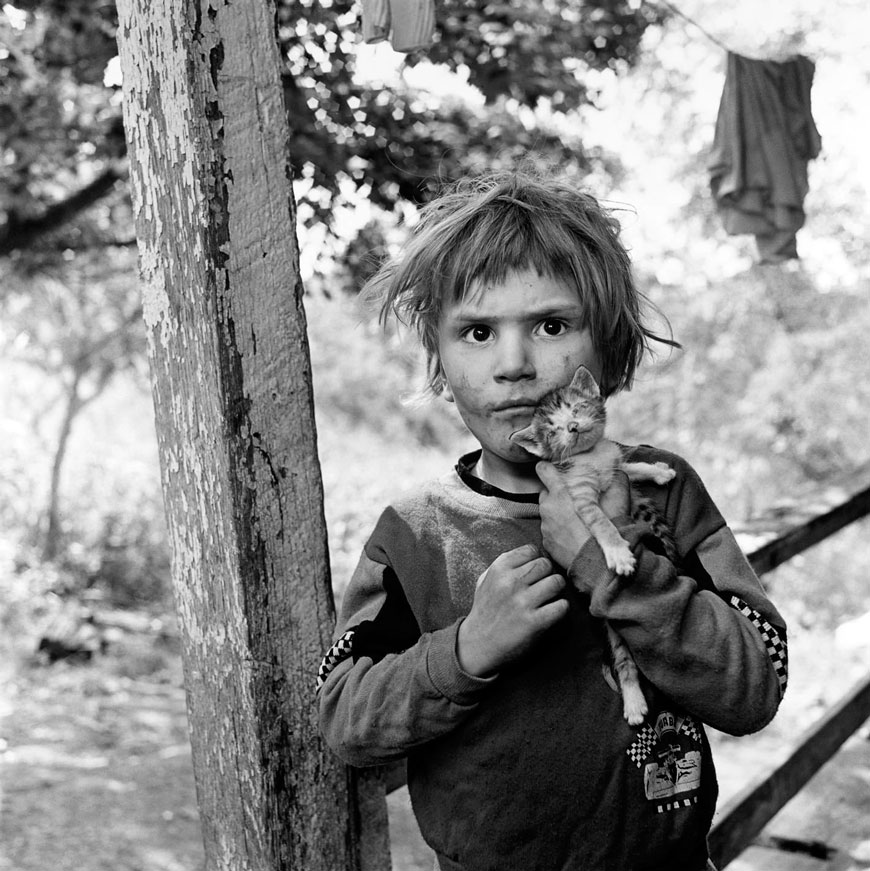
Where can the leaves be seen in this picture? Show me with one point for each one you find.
(531, 51)
(62, 130)
(394, 142)
(62, 134)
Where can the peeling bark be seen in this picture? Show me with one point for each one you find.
(208, 142)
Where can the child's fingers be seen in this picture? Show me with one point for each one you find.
(519, 556)
(549, 587)
(548, 474)
(552, 612)
(532, 572)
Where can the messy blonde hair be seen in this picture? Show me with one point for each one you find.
(483, 229)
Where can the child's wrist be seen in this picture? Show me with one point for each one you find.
(470, 653)
(445, 672)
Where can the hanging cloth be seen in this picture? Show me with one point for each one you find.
(409, 24)
(765, 136)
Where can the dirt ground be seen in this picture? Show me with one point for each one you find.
(96, 772)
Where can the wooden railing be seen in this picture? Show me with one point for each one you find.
(744, 816)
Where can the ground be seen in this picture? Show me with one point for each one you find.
(97, 775)
(97, 770)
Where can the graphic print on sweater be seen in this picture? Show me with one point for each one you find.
(669, 756)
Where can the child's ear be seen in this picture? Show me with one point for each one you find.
(446, 392)
(584, 380)
(525, 439)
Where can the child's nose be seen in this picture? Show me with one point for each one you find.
(515, 359)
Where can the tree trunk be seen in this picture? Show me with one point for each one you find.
(72, 406)
(231, 378)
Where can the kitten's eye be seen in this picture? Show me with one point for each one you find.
(552, 327)
(476, 334)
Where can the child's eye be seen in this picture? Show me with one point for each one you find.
(552, 327)
(477, 334)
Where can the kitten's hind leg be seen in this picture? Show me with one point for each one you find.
(660, 473)
(634, 706)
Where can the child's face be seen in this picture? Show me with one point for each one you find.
(502, 348)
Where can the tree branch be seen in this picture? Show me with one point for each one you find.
(22, 234)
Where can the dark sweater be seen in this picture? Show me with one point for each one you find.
(536, 769)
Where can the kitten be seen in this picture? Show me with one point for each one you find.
(568, 430)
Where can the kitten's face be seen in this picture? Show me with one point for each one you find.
(567, 421)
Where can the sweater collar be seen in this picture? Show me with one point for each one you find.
(464, 469)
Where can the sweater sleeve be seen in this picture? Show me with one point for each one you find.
(385, 687)
(703, 632)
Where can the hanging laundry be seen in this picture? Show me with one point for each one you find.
(765, 136)
(409, 24)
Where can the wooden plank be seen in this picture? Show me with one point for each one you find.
(743, 818)
(810, 532)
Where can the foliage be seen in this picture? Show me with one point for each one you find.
(75, 314)
(112, 542)
(396, 144)
(62, 140)
(61, 134)
(763, 398)
(536, 52)
(76, 318)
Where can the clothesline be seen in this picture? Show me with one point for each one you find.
(694, 23)
(715, 40)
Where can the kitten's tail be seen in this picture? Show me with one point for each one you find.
(661, 538)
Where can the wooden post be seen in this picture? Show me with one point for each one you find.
(208, 138)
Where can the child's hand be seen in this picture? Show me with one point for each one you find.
(515, 602)
(563, 532)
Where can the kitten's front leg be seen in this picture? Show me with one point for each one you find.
(584, 485)
(660, 473)
(617, 553)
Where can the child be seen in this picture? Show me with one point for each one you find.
(461, 644)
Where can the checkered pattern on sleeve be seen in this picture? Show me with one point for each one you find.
(341, 650)
(776, 646)
(642, 746)
(690, 728)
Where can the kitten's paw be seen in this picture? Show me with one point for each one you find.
(663, 473)
(620, 560)
(634, 707)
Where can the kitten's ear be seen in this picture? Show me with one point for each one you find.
(584, 380)
(526, 439)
